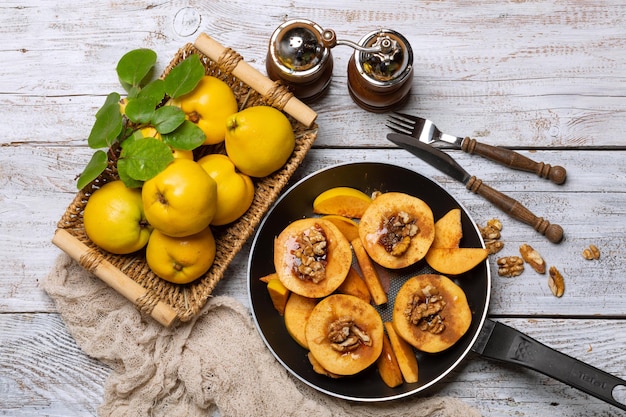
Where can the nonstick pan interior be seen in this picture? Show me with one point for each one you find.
(297, 203)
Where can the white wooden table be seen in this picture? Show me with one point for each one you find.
(545, 77)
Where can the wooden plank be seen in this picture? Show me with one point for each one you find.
(46, 373)
(488, 71)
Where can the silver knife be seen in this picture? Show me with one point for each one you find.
(446, 164)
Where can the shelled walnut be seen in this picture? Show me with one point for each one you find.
(591, 253)
(533, 258)
(491, 235)
(510, 266)
(346, 336)
(556, 282)
(311, 254)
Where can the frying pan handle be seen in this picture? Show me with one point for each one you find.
(501, 342)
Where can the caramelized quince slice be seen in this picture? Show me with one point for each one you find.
(312, 257)
(448, 230)
(344, 334)
(297, 312)
(397, 230)
(348, 227)
(455, 261)
(431, 312)
(342, 201)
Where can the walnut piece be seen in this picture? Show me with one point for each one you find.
(491, 235)
(311, 254)
(533, 258)
(399, 228)
(556, 282)
(510, 266)
(591, 253)
(345, 335)
(423, 310)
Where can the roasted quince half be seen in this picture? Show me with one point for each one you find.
(397, 230)
(431, 312)
(344, 334)
(312, 257)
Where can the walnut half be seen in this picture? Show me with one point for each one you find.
(311, 255)
(491, 235)
(345, 335)
(533, 258)
(556, 282)
(423, 310)
(399, 229)
(510, 266)
(591, 253)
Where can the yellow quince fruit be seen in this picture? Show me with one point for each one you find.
(208, 105)
(181, 259)
(114, 219)
(235, 191)
(259, 140)
(181, 200)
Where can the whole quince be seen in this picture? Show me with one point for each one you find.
(208, 105)
(114, 219)
(181, 259)
(259, 140)
(235, 191)
(181, 200)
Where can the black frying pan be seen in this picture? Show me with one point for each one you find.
(484, 336)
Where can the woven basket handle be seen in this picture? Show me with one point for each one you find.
(263, 85)
(161, 312)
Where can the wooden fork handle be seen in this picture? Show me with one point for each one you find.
(512, 159)
(515, 209)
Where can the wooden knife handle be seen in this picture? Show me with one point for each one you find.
(515, 209)
(512, 159)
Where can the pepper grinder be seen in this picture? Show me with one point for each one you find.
(380, 73)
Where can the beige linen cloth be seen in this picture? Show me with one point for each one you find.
(216, 362)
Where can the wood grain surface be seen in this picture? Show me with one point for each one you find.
(547, 78)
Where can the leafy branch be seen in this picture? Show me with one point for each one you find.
(121, 121)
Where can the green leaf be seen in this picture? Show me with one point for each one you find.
(128, 181)
(187, 137)
(167, 118)
(111, 100)
(184, 77)
(94, 168)
(142, 159)
(140, 110)
(108, 124)
(135, 65)
(154, 90)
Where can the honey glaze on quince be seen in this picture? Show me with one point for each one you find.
(448, 322)
(379, 239)
(335, 260)
(328, 316)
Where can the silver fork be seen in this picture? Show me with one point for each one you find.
(425, 131)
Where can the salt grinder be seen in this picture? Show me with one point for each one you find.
(381, 71)
(298, 56)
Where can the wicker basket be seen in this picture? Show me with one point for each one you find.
(130, 274)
